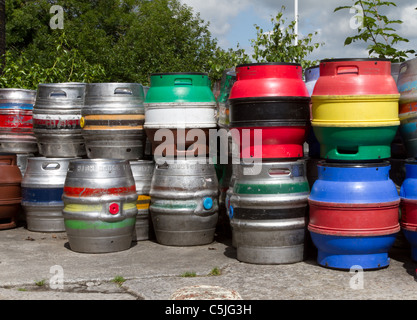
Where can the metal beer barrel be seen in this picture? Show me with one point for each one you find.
(112, 121)
(268, 212)
(99, 205)
(16, 121)
(42, 189)
(184, 202)
(56, 119)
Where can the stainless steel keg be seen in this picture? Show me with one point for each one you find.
(112, 121)
(42, 189)
(184, 202)
(99, 205)
(56, 119)
(16, 121)
(268, 212)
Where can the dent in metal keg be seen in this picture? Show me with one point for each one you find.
(112, 121)
(268, 212)
(16, 121)
(142, 171)
(99, 205)
(184, 202)
(56, 119)
(42, 189)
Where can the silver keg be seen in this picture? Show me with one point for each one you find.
(184, 202)
(142, 171)
(112, 121)
(268, 212)
(42, 189)
(16, 121)
(99, 205)
(56, 119)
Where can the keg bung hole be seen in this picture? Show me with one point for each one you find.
(128, 150)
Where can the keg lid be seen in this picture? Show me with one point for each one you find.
(268, 64)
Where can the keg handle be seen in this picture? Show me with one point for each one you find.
(51, 166)
(182, 82)
(123, 91)
(347, 70)
(279, 172)
(57, 94)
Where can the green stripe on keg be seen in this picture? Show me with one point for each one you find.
(99, 225)
(272, 188)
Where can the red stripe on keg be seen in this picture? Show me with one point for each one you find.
(344, 219)
(16, 121)
(409, 214)
(91, 192)
(60, 124)
(408, 107)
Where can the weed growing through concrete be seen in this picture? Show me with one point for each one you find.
(40, 283)
(119, 280)
(215, 272)
(189, 274)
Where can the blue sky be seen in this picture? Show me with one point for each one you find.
(232, 22)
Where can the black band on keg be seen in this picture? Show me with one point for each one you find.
(268, 214)
(267, 111)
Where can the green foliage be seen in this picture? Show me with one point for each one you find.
(67, 66)
(376, 29)
(129, 39)
(279, 44)
(225, 59)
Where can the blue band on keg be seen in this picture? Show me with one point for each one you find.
(42, 195)
(24, 106)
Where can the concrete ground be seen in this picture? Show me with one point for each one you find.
(41, 266)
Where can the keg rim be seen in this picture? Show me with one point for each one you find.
(364, 165)
(354, 59)
(268, 64)
(179, 73)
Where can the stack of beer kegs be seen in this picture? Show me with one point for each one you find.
(100, 196)
(56, 126)
(353, 203)
(407, 86)
(17, 143)
(180, 111)
(269, 123)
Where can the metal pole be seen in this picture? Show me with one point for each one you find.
(296, 21)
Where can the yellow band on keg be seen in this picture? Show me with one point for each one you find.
(355, 111)
(75, 207)
(115, 117)
(143, 202)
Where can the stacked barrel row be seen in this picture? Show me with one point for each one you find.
(269, 123)
(407, 86)
(17, 143)
(354, 205)
(97, 200)
(180, 110)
